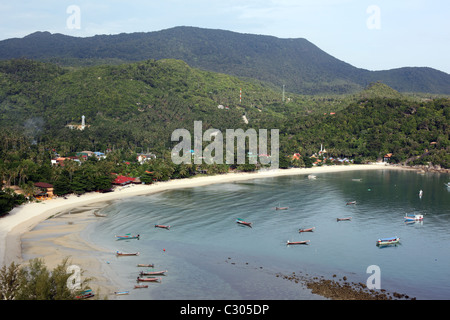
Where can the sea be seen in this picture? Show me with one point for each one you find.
(207, 255)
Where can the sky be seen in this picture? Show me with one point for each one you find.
(373, 35)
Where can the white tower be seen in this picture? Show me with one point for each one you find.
(83, 123)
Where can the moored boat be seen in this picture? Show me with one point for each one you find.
(118, 253)
(388, 241)
(307, 230)
(153, 273)
(127, 237)
(145, 265)
(351, 202)
(85, 294)
(242, 222)
(140, 279)
(297, 242)
(162, 226)
(281, 208)
(139, 286)
(121, 293)
(413, 217)
(344, 219)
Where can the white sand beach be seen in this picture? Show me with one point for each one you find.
(25, 218)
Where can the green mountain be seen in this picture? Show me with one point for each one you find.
(296, 63)
(136, 107)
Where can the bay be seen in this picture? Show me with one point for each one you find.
(209, 256)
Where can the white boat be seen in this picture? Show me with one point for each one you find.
(447, 184)
(388, 241)
(413, 217)
(312, 177)
(420, 194)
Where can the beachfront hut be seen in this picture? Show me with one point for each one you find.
(387, 157)
(123, 180)
(44, 190)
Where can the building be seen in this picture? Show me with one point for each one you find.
(86, 154)
(387, 157)
(81, 126)
(144, 157)
(60, 161)
(44, 190)
(123, 180)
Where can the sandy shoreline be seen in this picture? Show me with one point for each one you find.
(19, 224)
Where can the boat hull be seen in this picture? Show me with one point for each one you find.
(244, 223)
(297, 242)
(140, 279)
(127, 254)
(417, 217)
(153, 273)
(146, 265)
(388, 241)
(162, 226)
(127, 237)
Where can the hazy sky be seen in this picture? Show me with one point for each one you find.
(374, 35)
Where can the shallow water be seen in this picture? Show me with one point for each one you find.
(209, 256)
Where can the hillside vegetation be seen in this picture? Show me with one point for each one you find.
(137, 106)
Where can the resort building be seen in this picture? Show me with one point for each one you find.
(44, 190)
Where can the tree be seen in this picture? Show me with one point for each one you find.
(36, 282)
(9, 281)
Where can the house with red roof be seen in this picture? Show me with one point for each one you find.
(123, 180)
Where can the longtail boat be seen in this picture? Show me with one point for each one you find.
(344, 219)
(297, 242)
(307, 230)
(388, 241)
(85, 294)
(121, 293)
(139, 286)
(162, 226)
(242, 222)
(139, 279)
(414, 217)
(145, 265)
(351, 202)
(127, 236)
(153, 273)
(127, 254)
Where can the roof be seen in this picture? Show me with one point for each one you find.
(43, 185)
(123, 180)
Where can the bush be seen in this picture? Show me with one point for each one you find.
(36, 282)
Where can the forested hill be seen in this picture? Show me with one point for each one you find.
(296, 63)
(135, 107)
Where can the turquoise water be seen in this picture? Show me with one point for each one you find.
(209, 256)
